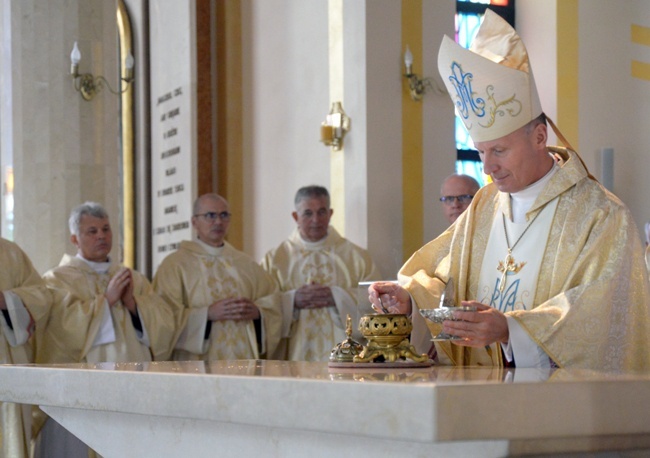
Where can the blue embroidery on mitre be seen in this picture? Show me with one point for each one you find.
(467, 100)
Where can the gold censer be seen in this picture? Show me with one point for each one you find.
(387, 336)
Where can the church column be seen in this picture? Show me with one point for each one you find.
(63, 150)
(372, 162)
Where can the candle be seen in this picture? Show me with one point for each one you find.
(408, 60)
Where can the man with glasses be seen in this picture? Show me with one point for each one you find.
(229, 305)
(456, 194)
(318, 272)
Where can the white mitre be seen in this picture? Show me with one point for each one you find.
(491, 84)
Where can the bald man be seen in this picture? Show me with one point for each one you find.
(456, 194)
(228, 299)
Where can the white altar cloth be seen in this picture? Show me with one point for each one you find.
(284, 409)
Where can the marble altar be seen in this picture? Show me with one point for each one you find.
(283, 409)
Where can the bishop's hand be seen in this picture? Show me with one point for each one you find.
(481, 328)
(394, 298)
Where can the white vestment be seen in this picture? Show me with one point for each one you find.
(310, 334)
(198, 275)
(28, 307)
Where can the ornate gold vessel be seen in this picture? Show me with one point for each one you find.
(387, 336)
(348, 349)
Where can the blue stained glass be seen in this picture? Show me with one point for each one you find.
(463, 140)
(473, 169)
(486, 2)
(466, 27)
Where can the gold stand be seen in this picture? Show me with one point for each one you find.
(389, 351)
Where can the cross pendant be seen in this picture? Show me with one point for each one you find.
(508, 266)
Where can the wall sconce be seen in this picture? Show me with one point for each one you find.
(417, 86)
(89, 85)
(336, 125)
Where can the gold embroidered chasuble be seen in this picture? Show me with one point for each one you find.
(18, 275)
(310, 334)
(590, 308)
(78, 312)
(193, 279)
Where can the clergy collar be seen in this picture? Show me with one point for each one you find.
(212, 250)
(522, 201)
(315, 245)
(98, 267)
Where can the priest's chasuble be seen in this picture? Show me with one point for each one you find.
(310, 334)
(83, 328)
(589, 304)
(198, 275)
(26, 297)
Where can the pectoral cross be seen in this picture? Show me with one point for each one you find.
(508, 266)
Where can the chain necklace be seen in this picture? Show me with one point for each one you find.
(509, 264)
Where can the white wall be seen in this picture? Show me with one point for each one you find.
(439, 143)
(613, 105)
(286, 81)
(536, 23)
(382, 135)
(285, 71)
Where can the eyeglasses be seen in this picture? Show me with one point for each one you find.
(212, 216)
(449, 200)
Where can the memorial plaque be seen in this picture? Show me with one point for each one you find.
(173, 125)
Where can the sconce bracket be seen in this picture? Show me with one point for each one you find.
(335, 127)
(86, 85)
(89, 85)
(418, 86)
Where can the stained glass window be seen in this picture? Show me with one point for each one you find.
(468, 19)
(486, 2)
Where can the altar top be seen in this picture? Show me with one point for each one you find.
(423, 404)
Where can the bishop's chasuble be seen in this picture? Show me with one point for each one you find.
(588, 304)
(28, 306)
(83, 328)
(310, 334)
(198, 275)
